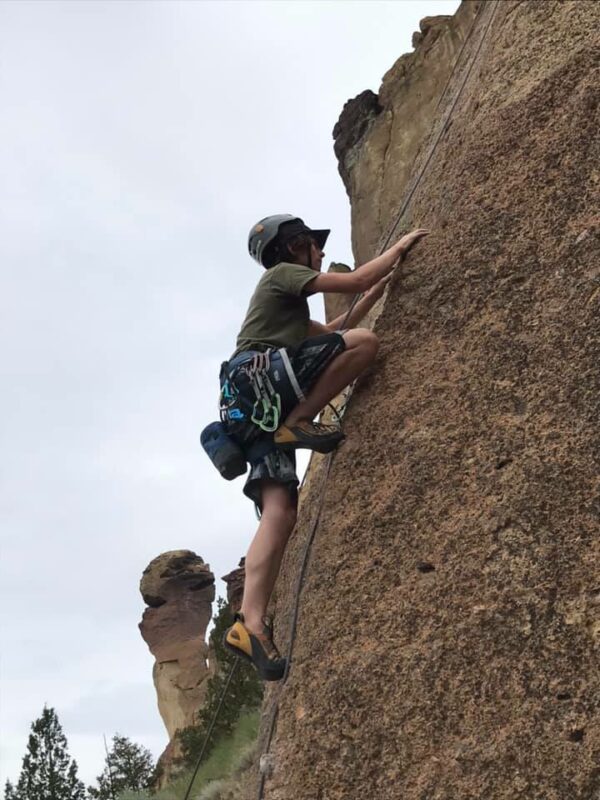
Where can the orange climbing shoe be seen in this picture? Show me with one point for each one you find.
(258, 648)
(309, 435)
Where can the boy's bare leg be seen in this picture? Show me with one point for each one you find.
(266, 551)
(278, 507)
(361, 349)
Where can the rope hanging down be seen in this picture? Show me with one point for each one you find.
(329, 457)
(234, 667)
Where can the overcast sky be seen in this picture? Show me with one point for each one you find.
(139, 141)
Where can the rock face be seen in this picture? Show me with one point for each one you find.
(179, 589)
(337, 304)
(449, 631)
(377, 146)
(235, 586)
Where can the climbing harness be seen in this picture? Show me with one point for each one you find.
(266, 409)
(260, 389)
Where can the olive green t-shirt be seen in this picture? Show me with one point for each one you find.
(278, 313)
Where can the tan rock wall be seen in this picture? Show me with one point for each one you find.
(337, 304)
(235, 586)
(380, 164)
(449, 636)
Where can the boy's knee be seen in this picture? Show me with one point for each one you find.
(369, 342)
(282, 514)
(362, 338)
(285, 519)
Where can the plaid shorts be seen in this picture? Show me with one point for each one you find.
(268, 462)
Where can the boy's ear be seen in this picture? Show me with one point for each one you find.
(299, 249)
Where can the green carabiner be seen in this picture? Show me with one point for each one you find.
(270, 414)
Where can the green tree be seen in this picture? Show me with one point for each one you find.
(245, 692)
(47, 772)
(9, 791)
(128, 766)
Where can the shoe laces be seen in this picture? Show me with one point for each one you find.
(317, 427)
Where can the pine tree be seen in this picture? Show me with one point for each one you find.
(245, 692)
(47, 772)
(9, 791)
(128, 766)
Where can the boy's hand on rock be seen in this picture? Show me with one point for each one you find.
(408, 241)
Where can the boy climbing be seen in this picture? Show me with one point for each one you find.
(279, 345)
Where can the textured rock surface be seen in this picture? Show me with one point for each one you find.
(378, 137)
(449, 633)
(179, 589)
(235, 586)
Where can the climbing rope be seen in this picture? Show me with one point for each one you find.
(234, 667)
(329, 457)
(456, 63)
(443, 127)
(295, 610)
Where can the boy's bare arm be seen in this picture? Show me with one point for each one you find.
(365, 277)
(317, 328)
(360, 310)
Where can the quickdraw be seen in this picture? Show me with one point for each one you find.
(265, 411)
